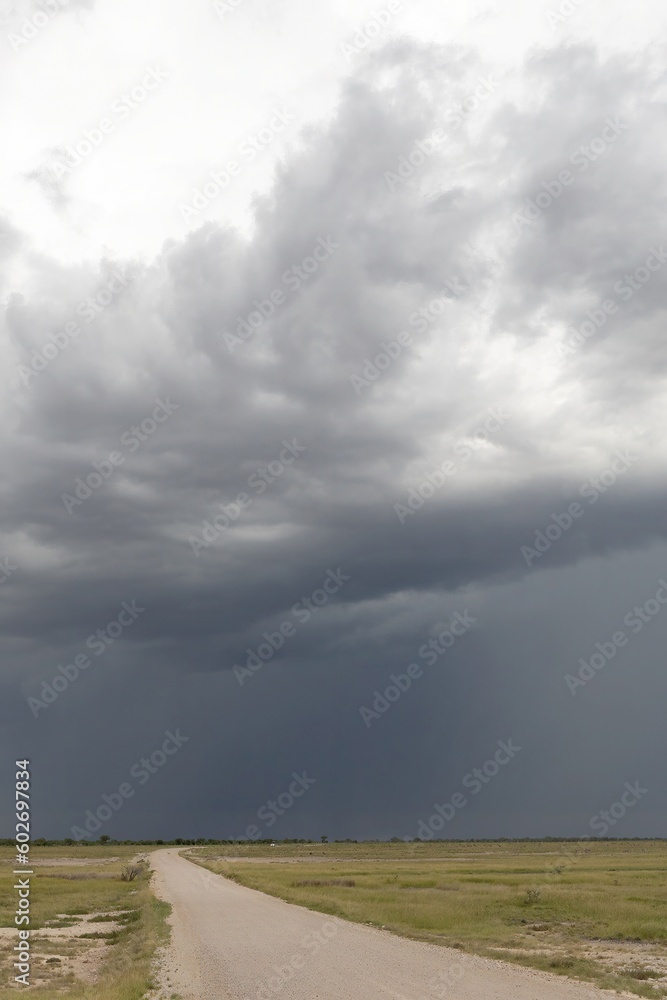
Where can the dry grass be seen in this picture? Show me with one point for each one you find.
(593, 911)
(94, 936)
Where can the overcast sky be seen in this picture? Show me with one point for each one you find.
(333, 358)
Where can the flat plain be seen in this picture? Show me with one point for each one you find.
(592, 910)
(92, 934)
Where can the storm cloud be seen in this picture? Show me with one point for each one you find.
(432, 371)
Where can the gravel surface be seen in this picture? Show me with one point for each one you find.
(233, 943)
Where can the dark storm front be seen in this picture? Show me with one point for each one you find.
(302, 611)
(142, 770)
(98, 643)
(272, 809)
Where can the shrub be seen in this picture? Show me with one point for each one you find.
(130, 872)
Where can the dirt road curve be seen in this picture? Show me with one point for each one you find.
(232, 943)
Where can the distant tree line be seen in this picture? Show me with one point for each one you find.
(178, 842)
(202, 842)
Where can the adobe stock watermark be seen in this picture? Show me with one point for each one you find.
(91, 139)
(143, 770)
(98, 643)
(376, 25)
(635, 620)
(459, 114)
(605, 819)
(311, 944)
(293, 278)
(564, 11)
(582, 157)
(259, 482)
(31, 26)
(302, 611)
(441, 987)
(419, 319)
(225, 7)
(626, 288)
(7, 567)
(89, 309)
(272, 809)
(592, 490)
(423, 149)
(601, 822)
(408, 165)
(430, 651)
(475, 781)
(248, 150)
(464, 449)
(131, 440)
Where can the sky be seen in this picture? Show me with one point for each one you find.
(333, 370)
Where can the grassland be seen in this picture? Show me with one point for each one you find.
(93, 935)
(595, 911)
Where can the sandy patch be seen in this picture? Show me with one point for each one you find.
(60, 953)
(624, 955)
(615, 956)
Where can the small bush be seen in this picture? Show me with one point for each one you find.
(130, 872)
(532, 896)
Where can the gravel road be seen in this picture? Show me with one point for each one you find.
(233, 943)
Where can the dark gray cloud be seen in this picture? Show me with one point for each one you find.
(161, 372)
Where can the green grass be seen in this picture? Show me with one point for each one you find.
(552, 906)
(71, 891)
